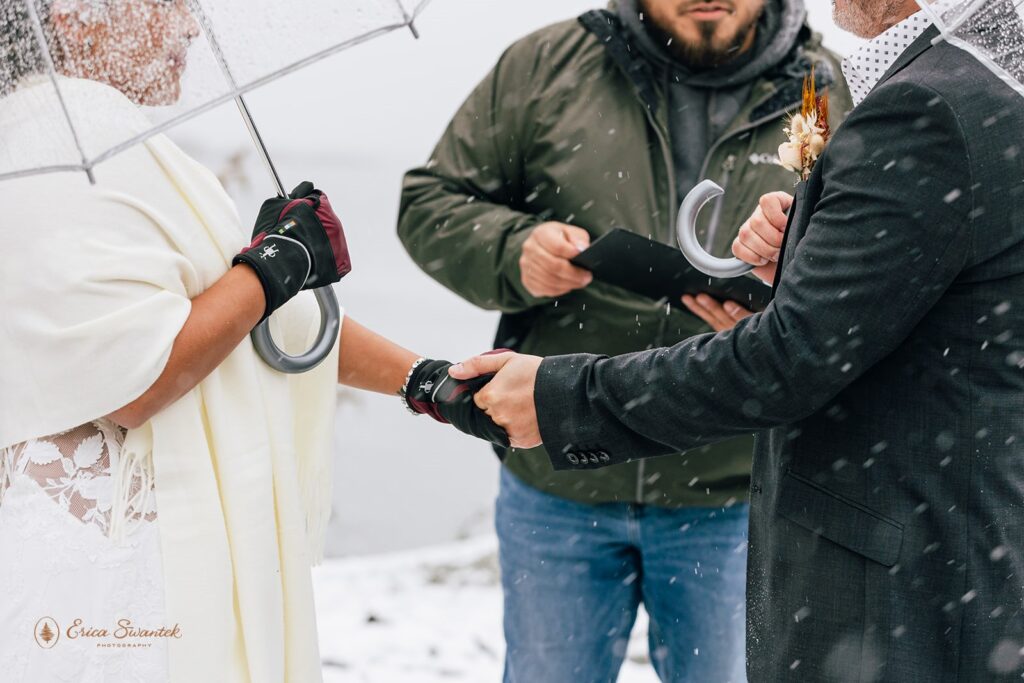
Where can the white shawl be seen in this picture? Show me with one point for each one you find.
(95, 284)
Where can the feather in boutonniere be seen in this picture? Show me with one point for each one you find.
(808, 131)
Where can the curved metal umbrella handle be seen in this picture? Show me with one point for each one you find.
(330, 323)
(686, 230)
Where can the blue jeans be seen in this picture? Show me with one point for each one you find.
(574, 575)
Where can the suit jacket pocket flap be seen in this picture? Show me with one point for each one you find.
(840, 520)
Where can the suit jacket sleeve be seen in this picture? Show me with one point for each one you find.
(889, 234)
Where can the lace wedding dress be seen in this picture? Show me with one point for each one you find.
(59, 562)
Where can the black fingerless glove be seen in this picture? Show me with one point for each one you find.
(298, 243)
(432, 391)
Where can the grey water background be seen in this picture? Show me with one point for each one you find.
(354, 124)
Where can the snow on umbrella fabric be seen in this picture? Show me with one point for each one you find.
(990, 30)
(193, 56)
(218, 50)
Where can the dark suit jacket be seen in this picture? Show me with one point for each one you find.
(885, 381)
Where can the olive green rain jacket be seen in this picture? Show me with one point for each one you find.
(571, 125)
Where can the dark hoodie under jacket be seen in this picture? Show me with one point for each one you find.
(702, 104)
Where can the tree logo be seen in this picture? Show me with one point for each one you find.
(47, 633)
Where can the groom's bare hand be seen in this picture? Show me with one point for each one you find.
(760, 239)
(508, 397)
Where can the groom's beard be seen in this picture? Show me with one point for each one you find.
(866, 18)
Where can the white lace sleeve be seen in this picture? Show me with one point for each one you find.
(78, 470)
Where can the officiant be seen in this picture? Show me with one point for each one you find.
(596, 123)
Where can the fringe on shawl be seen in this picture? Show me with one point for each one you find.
(6, 469)
(129, 506)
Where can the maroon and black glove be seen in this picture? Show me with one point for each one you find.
(298, 243)
(432, 391)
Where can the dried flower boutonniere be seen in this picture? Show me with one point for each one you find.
(808, 132)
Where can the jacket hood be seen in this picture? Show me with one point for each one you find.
(778, 31)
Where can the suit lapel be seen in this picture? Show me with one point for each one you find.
(799, 211)
(796, 225)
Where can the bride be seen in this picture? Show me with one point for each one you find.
(163, 493)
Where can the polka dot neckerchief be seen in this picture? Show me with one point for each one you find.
(865, 67)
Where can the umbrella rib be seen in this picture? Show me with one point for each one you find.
(408, 19)
(14, 175)
(37, 28)
(323, 54)
(204, 21)
(212, 104)
(243, 108)
(419, 9)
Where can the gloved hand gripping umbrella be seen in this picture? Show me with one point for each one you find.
(992, 31)
(239, 45)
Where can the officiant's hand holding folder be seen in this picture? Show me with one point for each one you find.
(658, 271)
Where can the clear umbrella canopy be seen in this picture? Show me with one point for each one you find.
(991, 30)
(174, 58)
(67, 67)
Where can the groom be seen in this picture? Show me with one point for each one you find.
(885, 379)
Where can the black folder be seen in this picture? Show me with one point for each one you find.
(658, 271)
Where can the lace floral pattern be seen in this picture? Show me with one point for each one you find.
(77, 469)
(64, 500)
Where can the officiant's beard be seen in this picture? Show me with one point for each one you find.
(711, 49)
(867, 18)
(716, 43)
(709, 52)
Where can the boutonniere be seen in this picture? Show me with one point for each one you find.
(808, 132)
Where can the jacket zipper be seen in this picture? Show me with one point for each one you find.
(728, 166)
(666, 153)
(673, 207)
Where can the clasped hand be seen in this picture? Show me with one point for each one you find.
(508, 397)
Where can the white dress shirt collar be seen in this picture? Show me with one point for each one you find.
(864, 68)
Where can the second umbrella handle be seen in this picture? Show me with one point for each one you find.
(330, 324)
(686, 231)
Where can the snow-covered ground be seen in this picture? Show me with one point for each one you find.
(425, 616)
